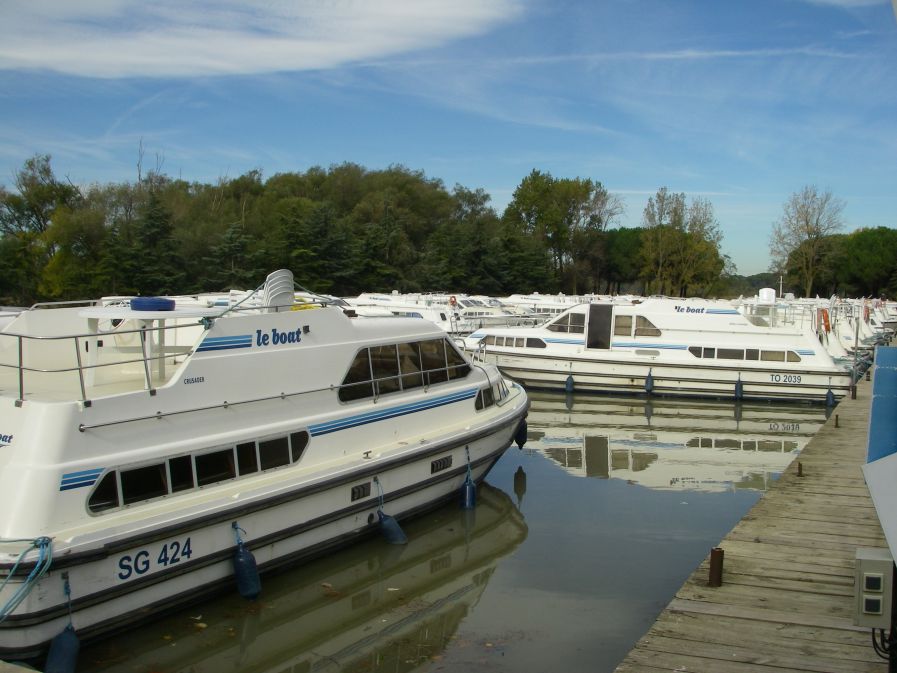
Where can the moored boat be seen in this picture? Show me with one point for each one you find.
(668, 347)
(146, 443)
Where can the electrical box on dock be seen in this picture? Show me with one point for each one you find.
(874, 576)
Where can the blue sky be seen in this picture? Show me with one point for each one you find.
(739, 103)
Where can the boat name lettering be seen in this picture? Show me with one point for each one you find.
(784, 378)
(144, 561)
(5, 439)
(277, 337)
(784, 427)
(194, 379)
(689, 309)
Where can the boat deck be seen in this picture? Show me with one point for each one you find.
(786, 603)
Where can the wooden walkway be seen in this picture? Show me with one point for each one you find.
(786, 603)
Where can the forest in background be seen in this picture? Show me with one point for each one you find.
(346, 229)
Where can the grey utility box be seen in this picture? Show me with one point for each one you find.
(874, 576)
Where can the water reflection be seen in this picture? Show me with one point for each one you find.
(371, 607)
(670, 444)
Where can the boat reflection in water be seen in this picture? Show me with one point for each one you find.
(670, 444)
(370, 607)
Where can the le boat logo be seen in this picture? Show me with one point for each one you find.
(688, 309)
(276, 337)
(5, 440)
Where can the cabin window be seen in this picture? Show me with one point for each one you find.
(772, 356)
(385, 368)
(180, 472)
(644, 327)
(485, 399)
(458, 367)
(105, 495)
(247, 458)
(534, 343)
(709, 352)
(143, 483)
(623, 325)
(695, 350)
(274, 453)
(730, 354)
(433, 359)
(214, 467)
(793, 357)
(357, 384)
(183, 473)
(298, 442)
(751, 354)
(490, 340)
(409, 364)
(574, 323)
(401, 366)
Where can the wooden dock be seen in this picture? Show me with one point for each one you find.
(786, 603)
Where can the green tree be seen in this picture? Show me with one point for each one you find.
(159, 268)
(798, 238)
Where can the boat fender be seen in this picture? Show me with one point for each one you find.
(739, 389)
(249, 585)
(152, 304)
(390, 528)
(830, 398)
(63, 654)
(520, 435)
(568, 384)
(649, 382)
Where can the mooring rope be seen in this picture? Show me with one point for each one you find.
(44, 548)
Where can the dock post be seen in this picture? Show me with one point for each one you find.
(716, 567)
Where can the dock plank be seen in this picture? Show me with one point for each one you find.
(787, 600)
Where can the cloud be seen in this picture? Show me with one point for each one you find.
(168, 38)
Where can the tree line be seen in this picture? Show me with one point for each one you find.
(344, 230)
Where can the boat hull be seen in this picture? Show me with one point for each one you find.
(609, 375)
(126, 580)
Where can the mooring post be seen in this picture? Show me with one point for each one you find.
(716, 567)
(800, 469)
(836, 421)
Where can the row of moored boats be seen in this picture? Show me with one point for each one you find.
(156, 450)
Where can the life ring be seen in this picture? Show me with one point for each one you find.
(152, 304)
(825, 321)
(453, 301)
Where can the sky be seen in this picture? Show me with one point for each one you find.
(740, 103)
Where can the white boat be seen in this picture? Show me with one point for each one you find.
(143, 442)
(688, 347)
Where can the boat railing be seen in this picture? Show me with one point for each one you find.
(93, 363)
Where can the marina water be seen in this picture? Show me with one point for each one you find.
(577, 543)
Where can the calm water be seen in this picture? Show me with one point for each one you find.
(577, 543)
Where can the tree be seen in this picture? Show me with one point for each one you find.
(664, 221)
(798, 238)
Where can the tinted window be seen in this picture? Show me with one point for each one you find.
(357, 383)
(298, 442)
(105, 495)
(385, 367)
(274, 453)
(730, 354)
(247, 460)
(793, 357)
(433, 360)
(409, 365)
(214, 467)
(181, 471)
(751, 354)
(644, 327)
(623, 325)
(773, 356)
(143, 483)
(695, 350)
(534, 343)
(458, 367)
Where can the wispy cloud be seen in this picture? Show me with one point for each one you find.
(123, 38)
